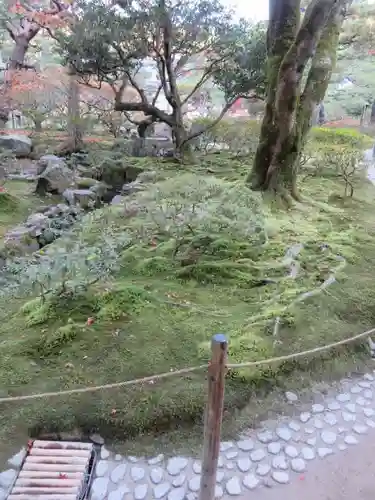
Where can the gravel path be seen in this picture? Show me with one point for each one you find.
(330, 442)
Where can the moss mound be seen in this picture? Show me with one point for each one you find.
(139, 289)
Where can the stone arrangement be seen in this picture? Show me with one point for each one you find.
(269, 456)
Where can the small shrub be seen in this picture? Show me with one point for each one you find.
(121, 302)
(238, 136)
(340, 137)
(50, 343)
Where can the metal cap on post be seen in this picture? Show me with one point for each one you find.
(213, 416)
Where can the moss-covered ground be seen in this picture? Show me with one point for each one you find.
(200, 254)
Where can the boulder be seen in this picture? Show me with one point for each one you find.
(20, 145)
(54, 176)
(117, 200)
(140, 183)
(85, 198)
(21, 240)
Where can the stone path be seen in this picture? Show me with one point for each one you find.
(271, 456)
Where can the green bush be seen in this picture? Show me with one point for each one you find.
(340, 137)
(239, 136)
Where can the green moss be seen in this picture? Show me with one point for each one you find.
(179, 281)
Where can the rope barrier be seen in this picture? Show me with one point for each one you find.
(183, 371)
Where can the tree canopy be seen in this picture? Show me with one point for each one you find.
(113, 44)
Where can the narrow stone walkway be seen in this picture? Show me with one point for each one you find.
(280, 453)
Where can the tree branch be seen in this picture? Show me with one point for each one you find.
(225, 109)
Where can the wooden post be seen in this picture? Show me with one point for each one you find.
(213, 416)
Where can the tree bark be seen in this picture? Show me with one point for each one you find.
(74, 143)
(288, 115)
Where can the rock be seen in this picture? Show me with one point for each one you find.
(231, 454)
(233, 486)
(7, 477)
(308, 453)
(219, 476)
(350, 439)
(280, 477)
(219, 492)
(333, 406)
(263, 469)
(17, 459)
(250, 481)
(274, 448)
(311, 441)
(161, 490)
(368, 376)
(20, 145)
(156, 475)
(365, 384)
(118, 473)
(97, 439)
(257, 455)
(265, 436)
(244, 464)
(101, 468)
(330, 419)
(21, 240)
(305, 417)
(156, 460)
(318, 424)
(226, 445)
(194, 483)
(284, 433)
(177, 494)
(294, 426)
(179, 480)
(369, 412)
(348, 417)
(104, 453)
(137, 473)
(360, 401)
(356, 389)
(351, 407)
(140, 491)
(279, 462)
(370, 423)
(324, 452)
(342, 447)
(245, 445)
(360, 428)
(328, 437)
(84, 198)
(86, 182)
(291, 397)
(343, 398)
(317, 408)
(298, 465)
(368, 394)
(99, 488)
(55, 176)
(197, 467)
(120, 493)
(176, 465)
(117, 200)
(291, 451)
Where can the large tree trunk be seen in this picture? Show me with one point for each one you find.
(288, 114)
(17, 61)
(74, 143)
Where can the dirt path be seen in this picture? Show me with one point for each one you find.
(348, 475)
